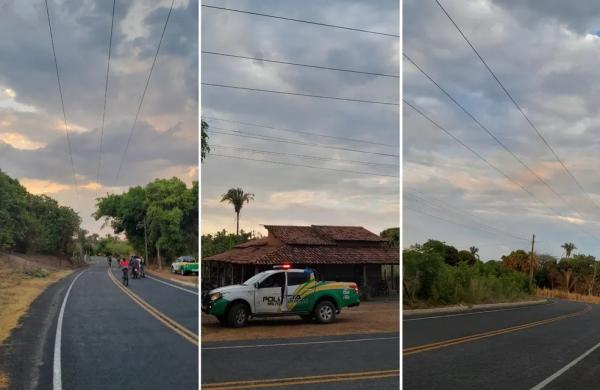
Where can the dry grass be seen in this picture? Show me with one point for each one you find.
(369, 317)
(22, 280)
(547, 293)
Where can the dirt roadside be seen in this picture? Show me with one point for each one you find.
(166, 273)
(22, 279)
(369, 317)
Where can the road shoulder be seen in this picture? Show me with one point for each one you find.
(471, 308)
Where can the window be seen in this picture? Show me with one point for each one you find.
(275, 280)
(297, 278)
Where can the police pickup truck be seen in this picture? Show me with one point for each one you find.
(280, 292)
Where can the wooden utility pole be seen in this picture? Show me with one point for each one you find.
(531, 263)
(146, 242)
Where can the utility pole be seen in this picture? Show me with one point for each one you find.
(531, 262)
(145, 242)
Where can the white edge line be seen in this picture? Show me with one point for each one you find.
(304, 343)
(473, 313)
(558, 373)
(56, 372)
(172, 285)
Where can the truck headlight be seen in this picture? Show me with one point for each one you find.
(215, 296)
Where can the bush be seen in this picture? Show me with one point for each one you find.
(427, 278)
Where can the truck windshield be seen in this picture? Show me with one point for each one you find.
(253, 279)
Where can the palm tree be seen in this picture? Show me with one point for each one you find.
(568, 247)
(237, 197)
(474, 251)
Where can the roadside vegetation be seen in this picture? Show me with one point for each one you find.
(161, 216)
(437, 274)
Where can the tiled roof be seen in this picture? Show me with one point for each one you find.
(348, 233)
(309, 245)
(299, 235)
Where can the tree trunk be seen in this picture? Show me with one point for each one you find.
(158, 257)
(237, 227)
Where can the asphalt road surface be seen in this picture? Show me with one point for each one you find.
(106, 338)
(365, 361)
(549, 346)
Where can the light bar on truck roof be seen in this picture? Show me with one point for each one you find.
(283, 266)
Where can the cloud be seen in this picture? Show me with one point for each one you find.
(19, 141)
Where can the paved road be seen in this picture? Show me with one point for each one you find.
(516, 348)
(367, 361)
(108, 340)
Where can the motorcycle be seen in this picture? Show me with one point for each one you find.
(135, 272)
(125, 277)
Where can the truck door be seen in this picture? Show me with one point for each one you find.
(269, 294)
(297, 291)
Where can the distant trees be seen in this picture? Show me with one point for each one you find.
(237, 197)
(34, 223)
(392, 235)
(164, 212)
(204, 147)
(222, 242)
(568, 247)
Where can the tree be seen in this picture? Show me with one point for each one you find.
(204, 147)
(448, 252)
(392, 235)
(474, 251)
(517, 260)
(222, 242)
(237, 197)
(467, 257)
(568, 247)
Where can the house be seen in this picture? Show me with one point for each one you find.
(342, 253)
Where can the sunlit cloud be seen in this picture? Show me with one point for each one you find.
(38, 187)
(19, 141)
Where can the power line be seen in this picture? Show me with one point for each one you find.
(301, 94)
(112, 22)
(305, 156)
(305, 132)
(62, 101)
(137, 114)
(469, 215)
(510, 97)
(448, 220)
(301, 21)
(299, 64)
(238, 133)
(456, 139)
(490, 133)
(305, 166)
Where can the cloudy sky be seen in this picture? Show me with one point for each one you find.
(547, 58)
(291, 194)
(33, 146)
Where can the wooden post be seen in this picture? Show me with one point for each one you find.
(231, 266)
(531, 263)
(242, 276)
(255, 269)
(364, 278)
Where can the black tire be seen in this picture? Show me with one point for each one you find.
(325, 312)
(237, 316)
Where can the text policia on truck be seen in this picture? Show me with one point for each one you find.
(281, 291)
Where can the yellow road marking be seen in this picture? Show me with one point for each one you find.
(167, 321)
(280, 382)
(459, 340)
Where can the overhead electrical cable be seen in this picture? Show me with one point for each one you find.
(137, 114)
(238, 133)
(362, 141)
(112, 22)
(491, 134)
(494, 167)
(514, 102)
(305, 166)
(304, 156)
(301, 21)
(299, 64)
(62, 101)
(300, 94)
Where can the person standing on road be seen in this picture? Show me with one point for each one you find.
(109, 258)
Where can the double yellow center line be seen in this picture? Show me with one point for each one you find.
(446, 343)
(302, 380)
(167, 321)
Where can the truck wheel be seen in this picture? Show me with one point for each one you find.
(237, 316)
(325, 312)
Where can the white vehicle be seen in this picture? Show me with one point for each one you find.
(184, 265)
(278, 292)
